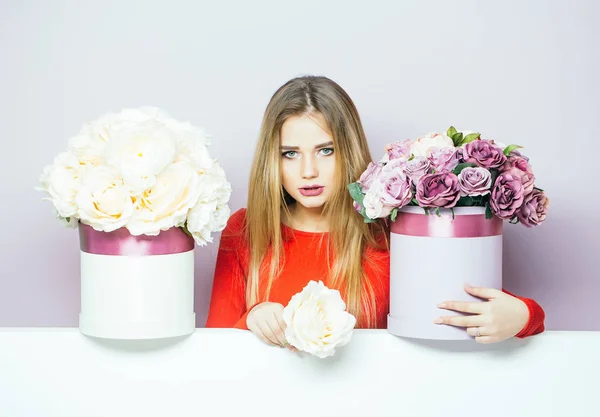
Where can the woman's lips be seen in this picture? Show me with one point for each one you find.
(312, 191)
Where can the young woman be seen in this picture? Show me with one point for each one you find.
(300, 225)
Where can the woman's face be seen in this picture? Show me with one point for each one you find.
(307, 160)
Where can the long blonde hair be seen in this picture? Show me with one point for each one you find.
(268, 202)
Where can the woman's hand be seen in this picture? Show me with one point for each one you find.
(501, 317)
(266, 321)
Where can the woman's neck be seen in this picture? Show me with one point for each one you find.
(307, 220)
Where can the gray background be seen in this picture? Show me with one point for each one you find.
(520, 71)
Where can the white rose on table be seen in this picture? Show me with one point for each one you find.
(166, 204)
(141, 151)
(317, 321)
(104, 200)
(61, 182)
(423, 145)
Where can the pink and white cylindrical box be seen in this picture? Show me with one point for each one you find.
(136, 287)
(432, 258)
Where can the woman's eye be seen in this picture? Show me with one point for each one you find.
(290, 154)
(326, 151)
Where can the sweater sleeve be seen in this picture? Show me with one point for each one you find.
(535, 324)
(227, 305)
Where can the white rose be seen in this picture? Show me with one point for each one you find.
(104, 201)
(373, 202)
(191, 148)
(424, 145)
(141, 151)
(211, 212)
(317, 320)
(204, 219)
(167, 203)
(61, 181)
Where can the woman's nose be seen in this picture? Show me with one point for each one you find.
(309, 168)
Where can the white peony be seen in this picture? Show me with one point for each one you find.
(423, 145)
(61, 181)
(141, 151)
(104, 201)
(211, 212)
(144, 171)
(166, 204)
(317, 320)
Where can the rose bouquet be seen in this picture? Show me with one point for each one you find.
(445, 194)
(143, 189)
(447, 170)
(317, 321)
(140, 170)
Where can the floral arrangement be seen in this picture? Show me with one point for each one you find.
(317, 321)
(141, 170)
(447, 170)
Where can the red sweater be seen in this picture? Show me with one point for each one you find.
(304, 262)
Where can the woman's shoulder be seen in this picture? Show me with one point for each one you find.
(233, 235)
(236, 222)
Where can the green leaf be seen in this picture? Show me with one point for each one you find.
(426, 209)
(470, 138)
(511, 148)
(514, 220)
(451, 131)
(452, 211)
(356, 192)
(538, 188)
(437, 211)
(414, 201)
(488, 212)
(494, 172)
(185, 230)
(411, 157)
(394, 214)
(457, 138)
(465, 201)
(462, 166)
(363, 211)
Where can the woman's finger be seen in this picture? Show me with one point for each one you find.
(465, 307)
(257, 330)
(483, 292)
(276, 330)
(461, 321)
(268, 333)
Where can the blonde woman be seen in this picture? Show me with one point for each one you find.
(300, 225)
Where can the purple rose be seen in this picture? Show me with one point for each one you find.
(398, 150)
(474, 181)
(444, 159)
(483, 153)
(534, 208)
(366, 179)
(438, 190)
(519, 163)
(416, 168)
(396, 186)
(507, 195)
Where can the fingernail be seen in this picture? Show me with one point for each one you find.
(441, 305)
(438, 321)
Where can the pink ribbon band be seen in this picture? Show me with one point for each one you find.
(122, 243)
(463, 226)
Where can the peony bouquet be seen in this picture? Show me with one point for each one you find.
(140, 170)
(317, 321)
(447, 170)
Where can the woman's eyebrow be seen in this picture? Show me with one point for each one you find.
(295, 148)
